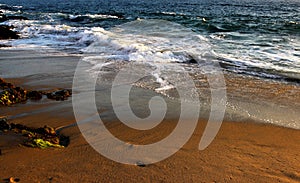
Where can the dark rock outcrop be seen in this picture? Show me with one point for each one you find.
(7, 33)
(3, 17)
(4, 45)
(10, 94)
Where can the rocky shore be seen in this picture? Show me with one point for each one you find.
(6, 31)
(10, 94)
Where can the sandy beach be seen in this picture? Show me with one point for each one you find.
(165, 78)
(241, 152)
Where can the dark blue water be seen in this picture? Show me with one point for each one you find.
(264, 16)
(252, 37)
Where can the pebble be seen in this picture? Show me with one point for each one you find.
(140, 164)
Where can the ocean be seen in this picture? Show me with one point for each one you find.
(257, 39)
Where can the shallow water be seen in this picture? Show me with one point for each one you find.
(259, 38)
(255, 43)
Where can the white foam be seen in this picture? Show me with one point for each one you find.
(158, 43)
(173, 13)
(95, 16)
(276, 53)
(35, 34)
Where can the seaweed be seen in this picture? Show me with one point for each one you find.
(42, 137)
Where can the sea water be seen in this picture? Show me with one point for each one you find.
(256, 43)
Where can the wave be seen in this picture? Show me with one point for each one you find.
(152, 41)
(10, 8)
(254, 57)
(252, 44)
(61, 37)
(91, 17)
(156, 43)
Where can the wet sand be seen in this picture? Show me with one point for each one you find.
(241, 152)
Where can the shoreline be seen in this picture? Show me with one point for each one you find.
(241, 151)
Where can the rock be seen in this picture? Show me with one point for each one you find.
(59, 95)
(192, 60)
(7, 33)
(13, 180)
(17, 17)
(4, 46)
(54, 140)
(39, 137)
(3, 124)
(34, 95)
(11, 94)
(2, 81)
(3, 18)
(49, 130)
(140, 164)
(64, 140)
(19, 128)
(4, 98)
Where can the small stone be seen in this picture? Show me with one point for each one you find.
(54, 140)
(3, 124)
(59, 95)
(49, 130)
(140, 164)
(13, 180)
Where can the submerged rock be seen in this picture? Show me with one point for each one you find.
(59, 95)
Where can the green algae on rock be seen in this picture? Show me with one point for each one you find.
(42, 137)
